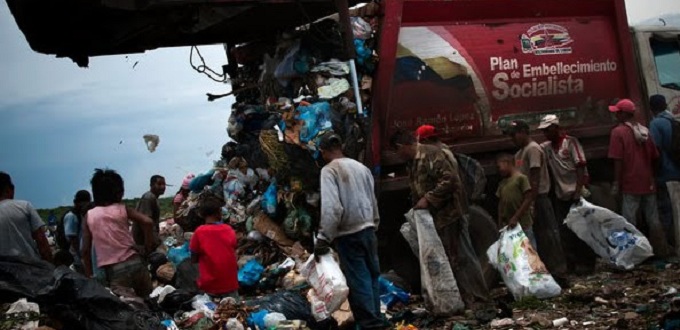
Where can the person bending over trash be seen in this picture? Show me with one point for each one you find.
(106, 227)
(436, 186)
(349, 219)
(213, 247)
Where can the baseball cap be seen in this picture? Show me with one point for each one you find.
(548, 121)
(517, 126)
(329, 140)
(425, 131)
(624, 105)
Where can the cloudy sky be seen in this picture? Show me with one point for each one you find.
(59, 122)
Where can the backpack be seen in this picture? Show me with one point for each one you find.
(674, 149)
(60, 236)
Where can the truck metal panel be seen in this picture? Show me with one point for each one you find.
(470, 67)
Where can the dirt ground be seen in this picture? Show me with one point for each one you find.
(607, 299)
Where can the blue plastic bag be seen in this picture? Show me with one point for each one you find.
(250, 273)
(269, 200)
(256, 319)
(178, 254)
(390, 294)
(316, 118)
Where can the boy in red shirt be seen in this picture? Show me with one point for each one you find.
(213, 247)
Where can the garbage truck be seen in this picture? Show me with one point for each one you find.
(468, 67)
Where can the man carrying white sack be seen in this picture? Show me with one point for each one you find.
(349, 219)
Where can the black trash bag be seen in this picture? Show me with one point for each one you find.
(82, 303)
(24, 278)
(74, 300)
(176, 300)
(291, 304)
(186, 275)
(156, 259)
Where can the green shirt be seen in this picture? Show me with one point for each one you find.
(511, 195)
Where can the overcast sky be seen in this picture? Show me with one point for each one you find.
(59, 122)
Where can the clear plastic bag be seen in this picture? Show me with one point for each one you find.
(609, 235)
(522, 270)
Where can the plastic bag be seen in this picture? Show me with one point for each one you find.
(24, 307)
(289, 303)
(390, 294)
(298, 223)
(522, 270)
(273, 319)
(327, 280)
(319, 310)
(316, 117)
(256, 319)
(178, 254)
(609, 235)
(269, 200)
(204, 304)
(250, 273)
(439, 285)
(360, 28)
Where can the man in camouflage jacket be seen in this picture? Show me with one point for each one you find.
(437, 187)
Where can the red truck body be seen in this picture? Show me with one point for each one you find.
(469, 67)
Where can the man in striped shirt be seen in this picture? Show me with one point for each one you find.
(567, 164)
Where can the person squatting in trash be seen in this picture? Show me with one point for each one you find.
(349, 219)
(106, 227)
(634, 154)
(531, 161)
(213, 247)
(514, 197)
(22, 232)
(567, 164)
(437, 187)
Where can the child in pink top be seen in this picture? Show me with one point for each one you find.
(106, 227)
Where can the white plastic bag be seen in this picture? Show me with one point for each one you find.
(327, 280)
(609, 235)
(438, 283)
(22, 306)
(318, 307)
(522, 270)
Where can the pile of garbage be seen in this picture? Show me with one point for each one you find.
(289, 93)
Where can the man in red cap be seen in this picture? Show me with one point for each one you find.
(634, 154)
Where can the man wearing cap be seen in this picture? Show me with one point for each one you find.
(668, 176)
(567, 164)
(470, 170)
(73, 226)
(436, 186)
(531, 161)
(634, 154)
(349, 219)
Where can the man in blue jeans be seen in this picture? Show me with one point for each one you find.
(349, 219)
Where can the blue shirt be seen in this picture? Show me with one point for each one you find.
(662, 131)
